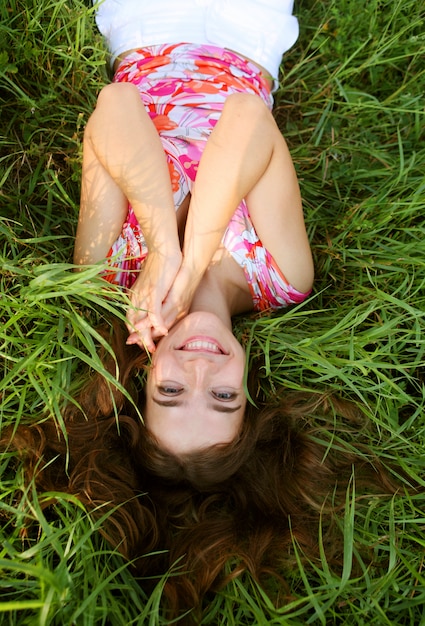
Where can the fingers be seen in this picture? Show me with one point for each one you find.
(155, 308)
(141, 318)
(143, 339)
(144, 327)
(157, 324)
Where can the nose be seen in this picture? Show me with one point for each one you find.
(200, 363)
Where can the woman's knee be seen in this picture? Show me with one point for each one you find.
(113, 102)
(245, 105)
(117, 96)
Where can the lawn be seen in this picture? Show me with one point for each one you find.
(351, 106)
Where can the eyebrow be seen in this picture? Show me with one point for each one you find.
(167, 402)
(221, 408)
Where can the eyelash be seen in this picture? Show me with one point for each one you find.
(219, 395)
(169, 390)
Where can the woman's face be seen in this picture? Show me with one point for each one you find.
(194, 394)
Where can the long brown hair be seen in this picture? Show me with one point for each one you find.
(246, 502)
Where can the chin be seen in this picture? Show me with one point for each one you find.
(199, 318)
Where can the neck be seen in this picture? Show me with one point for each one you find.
(222, 291)
(211, 297)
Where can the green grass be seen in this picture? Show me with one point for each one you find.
(351, 106)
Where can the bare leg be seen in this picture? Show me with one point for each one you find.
(123, 162)
(247, 157)
(103, 207)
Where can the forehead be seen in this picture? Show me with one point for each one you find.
(191, 426)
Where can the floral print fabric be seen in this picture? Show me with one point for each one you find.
(183, 88)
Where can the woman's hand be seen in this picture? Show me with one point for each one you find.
(179, 298)
(146, 319)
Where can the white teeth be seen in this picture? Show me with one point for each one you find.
(202, 345)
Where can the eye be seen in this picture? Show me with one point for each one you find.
(169, 390)
(226, 396)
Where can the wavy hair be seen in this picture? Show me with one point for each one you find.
(246, 502)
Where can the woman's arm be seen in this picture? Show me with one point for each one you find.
(245, 157)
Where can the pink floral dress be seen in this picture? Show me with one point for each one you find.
(184, 87)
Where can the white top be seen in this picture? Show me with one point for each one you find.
(261, 30)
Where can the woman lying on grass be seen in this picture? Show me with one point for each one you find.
(246, 177)
(182, 157)
(207, 477)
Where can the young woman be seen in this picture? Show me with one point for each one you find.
(189, 190)
(183, 151)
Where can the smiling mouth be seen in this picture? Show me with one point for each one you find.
(202, 345)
